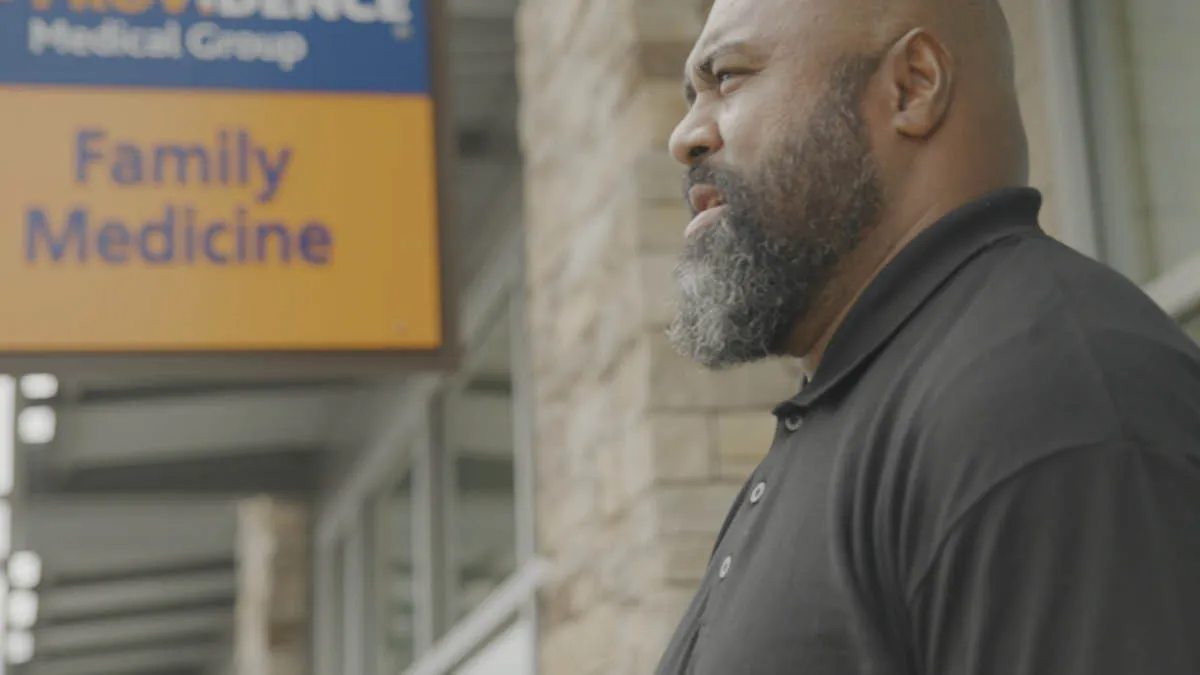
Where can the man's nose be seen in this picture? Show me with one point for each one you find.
(695, 139)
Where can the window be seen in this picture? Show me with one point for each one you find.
(437, 574)
(396, 590)
(478, 441)
(1140, 66)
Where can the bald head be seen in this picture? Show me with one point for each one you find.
(796, 45)
(961, 23)
(823, 132)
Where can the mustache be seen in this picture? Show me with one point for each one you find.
(731, 183)
(699, 174)
(723, 178)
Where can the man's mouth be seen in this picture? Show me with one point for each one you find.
(704, 197)
(707, 204)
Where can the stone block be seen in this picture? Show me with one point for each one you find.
(554, 603)
(583, 593)
(658, 177)
(644, 634)
(619, 324)
(660, 227)
(627, 572)
(639, 527)
(668, 21)
(581, 646)
(656, 274)
(605, 28)
(644, 126)
(543, 32)
(594, 242)
(563, 519)
(570, 597)
(669, 603)
(575, 331)
(631, 385)
(610, 466)
(743, 440)
(662, 59)
(667, 448)
(685, 558)
(587, 426)
(693, 509)
(272, 613)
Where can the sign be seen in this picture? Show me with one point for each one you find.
(217, 176)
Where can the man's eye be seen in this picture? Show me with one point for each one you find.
(727, 78)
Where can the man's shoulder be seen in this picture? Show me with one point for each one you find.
(1054, 352)
(1050, 338)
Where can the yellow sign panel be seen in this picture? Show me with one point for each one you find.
(262, 204)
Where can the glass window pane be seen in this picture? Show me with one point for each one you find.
(396, 589)
(1141, 66)
(479, 440)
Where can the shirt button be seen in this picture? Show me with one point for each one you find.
(725, 565)
(757, 493)
(792, 423)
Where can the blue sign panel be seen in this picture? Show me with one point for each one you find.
(367, 46)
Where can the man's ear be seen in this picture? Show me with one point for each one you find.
(919, 74)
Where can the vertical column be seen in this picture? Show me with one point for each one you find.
(639, 453)
(272, 615)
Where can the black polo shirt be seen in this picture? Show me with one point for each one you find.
(995, 470)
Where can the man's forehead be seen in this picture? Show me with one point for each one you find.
(731, 20)
(749, 22)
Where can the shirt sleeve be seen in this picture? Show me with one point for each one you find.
(1084, 563)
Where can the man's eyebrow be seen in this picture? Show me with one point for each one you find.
(689, 90)
(705, 66)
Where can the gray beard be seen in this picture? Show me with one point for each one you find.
(747, 280)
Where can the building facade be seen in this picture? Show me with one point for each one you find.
(550, 507)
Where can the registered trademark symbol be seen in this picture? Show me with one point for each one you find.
(402, 32)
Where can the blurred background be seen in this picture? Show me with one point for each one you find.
(534, 488)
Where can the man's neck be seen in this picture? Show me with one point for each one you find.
(858, 270)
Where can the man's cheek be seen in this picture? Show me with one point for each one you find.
(748, 130)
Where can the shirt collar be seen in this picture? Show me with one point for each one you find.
(909, 279)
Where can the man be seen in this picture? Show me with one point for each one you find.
(993, 467)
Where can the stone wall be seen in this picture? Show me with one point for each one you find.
(639, 452)
(272, 613)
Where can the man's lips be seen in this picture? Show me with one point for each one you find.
(704, 219)
(704, 197)
(708, 205)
